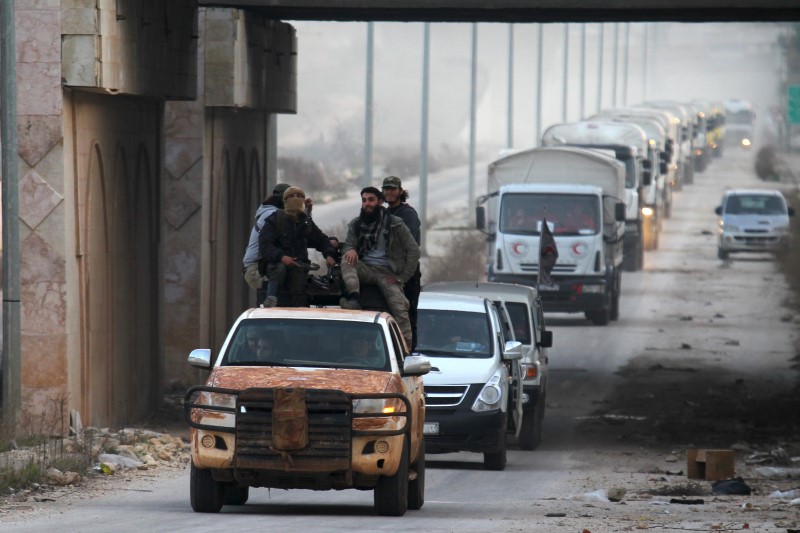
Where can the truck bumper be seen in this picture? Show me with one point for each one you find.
(465, 430)
(567, 295)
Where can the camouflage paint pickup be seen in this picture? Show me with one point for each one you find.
(309, 398)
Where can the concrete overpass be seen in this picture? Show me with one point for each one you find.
(520, 10)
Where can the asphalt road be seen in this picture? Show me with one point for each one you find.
(688, 321)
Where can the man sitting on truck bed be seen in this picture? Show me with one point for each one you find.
(379, 250)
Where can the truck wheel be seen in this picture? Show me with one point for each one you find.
(614, 312)
(496, 460)
(416, 486)
(233, 494)
(722, 254)
(205, 493)
(530, 434)
(391, 492)
(599, 317)
(688, 177)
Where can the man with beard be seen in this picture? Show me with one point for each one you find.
(379, 250)
(283, 243)
(395, 196)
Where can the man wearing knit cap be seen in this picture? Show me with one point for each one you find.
(379, 250)
(396, 197)
(254, 271)
(283, 243)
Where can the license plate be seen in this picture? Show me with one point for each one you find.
(430, 428)
(548, 288)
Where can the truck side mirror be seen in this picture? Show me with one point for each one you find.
(619, 212)
(201, 358)
(662, 167)
(791, 211)
(480, 217)
(718, 210)
(546, 339)
(647, 177)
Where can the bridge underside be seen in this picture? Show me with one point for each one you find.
(521, 10)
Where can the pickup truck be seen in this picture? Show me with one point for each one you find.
(316, 399)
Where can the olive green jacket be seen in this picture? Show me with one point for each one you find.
(402, 248)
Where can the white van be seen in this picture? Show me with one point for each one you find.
(753, 220)
(473, 393)
(524, 309)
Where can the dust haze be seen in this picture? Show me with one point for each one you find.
(679, 61)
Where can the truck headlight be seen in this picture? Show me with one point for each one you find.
(217, 418)
(491, 395)
(376, 405)
(647, 211)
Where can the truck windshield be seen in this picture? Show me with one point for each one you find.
(522, 213)
(453, 334)
(308, 343)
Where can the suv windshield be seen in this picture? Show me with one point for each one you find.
(755, 204)
(317, 343)
(453, 333)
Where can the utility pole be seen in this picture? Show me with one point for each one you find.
(566, 74)
(600, 71)
(12, 358)
(423, 148)
(367, 181)
(615, 63)
(539, 59)
(473, 104)
(627, 56)
(582, 107)
(510, 121)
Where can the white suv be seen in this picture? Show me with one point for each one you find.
(753, 220)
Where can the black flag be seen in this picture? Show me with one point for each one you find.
(548, 253)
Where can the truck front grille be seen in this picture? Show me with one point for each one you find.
(329, 433)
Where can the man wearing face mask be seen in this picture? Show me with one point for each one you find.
(284, 243)
(379, 250)
(254, 270)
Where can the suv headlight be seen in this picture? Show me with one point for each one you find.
(491, 395)
(733, 229)
(781, 229)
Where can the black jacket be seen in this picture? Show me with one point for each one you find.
(292, 238)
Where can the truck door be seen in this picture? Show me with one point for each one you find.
(514, 372)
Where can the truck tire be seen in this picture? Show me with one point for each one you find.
(530, 434)
(497, 460)
(233, 494)
(614, 313)
(688, 177)
(600, 317)
(416, 486)
(391, 492)
(205, 493)
(722, 254)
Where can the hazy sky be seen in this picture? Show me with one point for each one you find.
(683, 61)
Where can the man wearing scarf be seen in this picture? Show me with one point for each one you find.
(284, 245)
(379, 250)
